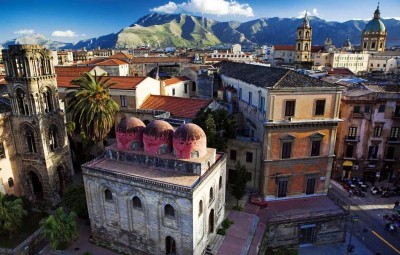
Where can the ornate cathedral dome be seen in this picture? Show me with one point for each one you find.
(347, 43)
(375, 25)
(157, 137)
(189, 141)
(129, 133)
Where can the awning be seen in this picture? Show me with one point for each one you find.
(347, 163)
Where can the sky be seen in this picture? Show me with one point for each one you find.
(74, 20)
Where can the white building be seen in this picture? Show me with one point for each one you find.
(177, 86)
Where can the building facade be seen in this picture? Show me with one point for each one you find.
(36, 123)
(157, 191)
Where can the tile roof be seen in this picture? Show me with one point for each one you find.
(141, 60)
(124, 82)
(340, 71)
(284, 47)
(72, 71)
(269, 77)
(175, 80)
(317, 48)
(111, 62)
(92, 62)
(177, 106)
(384, 88)
(122, 55)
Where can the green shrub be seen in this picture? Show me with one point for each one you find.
(221, 232)
(227, 223)
(75, 199)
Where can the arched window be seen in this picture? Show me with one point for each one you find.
(299, 33)
(307, 34)
(30, 140)
(53, 134)
(10, 182)
(108, 195)
(200, 207)
(137, 202)
(21, 102)
(306, 47)
(211, 194)
(169, 211)
(48, 100)
(220, 182)
(298, 46)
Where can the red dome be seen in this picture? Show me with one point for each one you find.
(129, 133)
(190, 141)
(157, 137)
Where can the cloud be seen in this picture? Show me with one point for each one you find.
(66, 33)
(214, 7)
(24, 31)
(314, 12)
(168, 8)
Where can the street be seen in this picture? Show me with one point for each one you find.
(370, 227)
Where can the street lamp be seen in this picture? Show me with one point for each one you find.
(350, 246)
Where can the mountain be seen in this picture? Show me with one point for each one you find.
(38, 39)
(182, 30)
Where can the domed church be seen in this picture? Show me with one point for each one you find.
(373, 37)
(157, 190)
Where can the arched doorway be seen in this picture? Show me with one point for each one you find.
(61, 180)
(211, 222)
(36, 186)
(170, 246)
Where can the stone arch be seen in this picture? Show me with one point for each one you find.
(139, 195)
(307, 34)
(211, 219)
(167, 200)
(21, 101)
(35, 183)
(29, 134)
(54, 140)
(170, 246)
(48, 103)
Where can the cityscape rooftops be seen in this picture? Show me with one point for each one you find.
(124, 82)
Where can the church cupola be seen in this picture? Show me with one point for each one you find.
(374, 34)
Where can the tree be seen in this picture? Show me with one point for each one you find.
(75, 199)
(222, 127)
(60, 228)
(12, 213)
(90, 106)
(238, 188)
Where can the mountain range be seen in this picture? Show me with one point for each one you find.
(182, 30)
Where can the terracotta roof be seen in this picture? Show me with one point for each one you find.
(111, 62)
(72, 71)
(121, 55)
(124, 82)
(269, 77)
(93, 61)
(340, 71)
(284, 47)
(141, 60)
(317, 48)
(175, 80)
(177, 106)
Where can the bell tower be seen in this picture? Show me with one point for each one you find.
(42, 152)
(303, 45)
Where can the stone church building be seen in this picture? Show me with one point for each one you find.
(157, 191)
(34, 153)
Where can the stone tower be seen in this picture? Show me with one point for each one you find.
(37, 122)
(303, 45)
(373, 37)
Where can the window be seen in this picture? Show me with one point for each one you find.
(349, 151)
(397, 111)
(289, 108)
(48, 102)
(232, 155)
(53, 138)
(185, 88)
(200, 207)
(357, 109)
(320, 107)
(240, 93)
(352, 132)
(2, 151)
(194, 86)
(173, 91)
(310, 188)
(286, 149)
(373, 151)
(10, 182)
(315, 147)
(124, 102)
(30, 140)
(390, 152)
(137, 203)
(378, 130)
(394, 133)
(381, 45)
(373, 45)
(108, 195)
(367, 109)
(249, 157)
(282, 188)
(250, 98)
(169, 211)
(381, 108)
(220, 182)
(262, 104)
(298, 45)
(365, 45)
(211, 194)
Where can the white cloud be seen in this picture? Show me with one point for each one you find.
(214, 7)
(313, 13)
(66, 33)
(168, 8)
(24, 31)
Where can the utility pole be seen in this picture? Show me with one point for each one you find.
(350, 246)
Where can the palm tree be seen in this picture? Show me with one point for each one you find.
(91, 107)
(60, 229)
(12, 214)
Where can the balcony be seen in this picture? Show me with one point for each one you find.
(393, 140)
(357, 114)
(348, 138)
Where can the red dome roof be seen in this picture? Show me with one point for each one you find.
(189, 142)
(189, 132)
(130, 125)
(158, 128)
(129, 133)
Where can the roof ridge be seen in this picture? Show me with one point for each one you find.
(276, 84)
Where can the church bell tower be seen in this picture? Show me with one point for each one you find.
(303, 45)
(42, 152)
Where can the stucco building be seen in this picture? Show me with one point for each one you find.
(157, 191)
